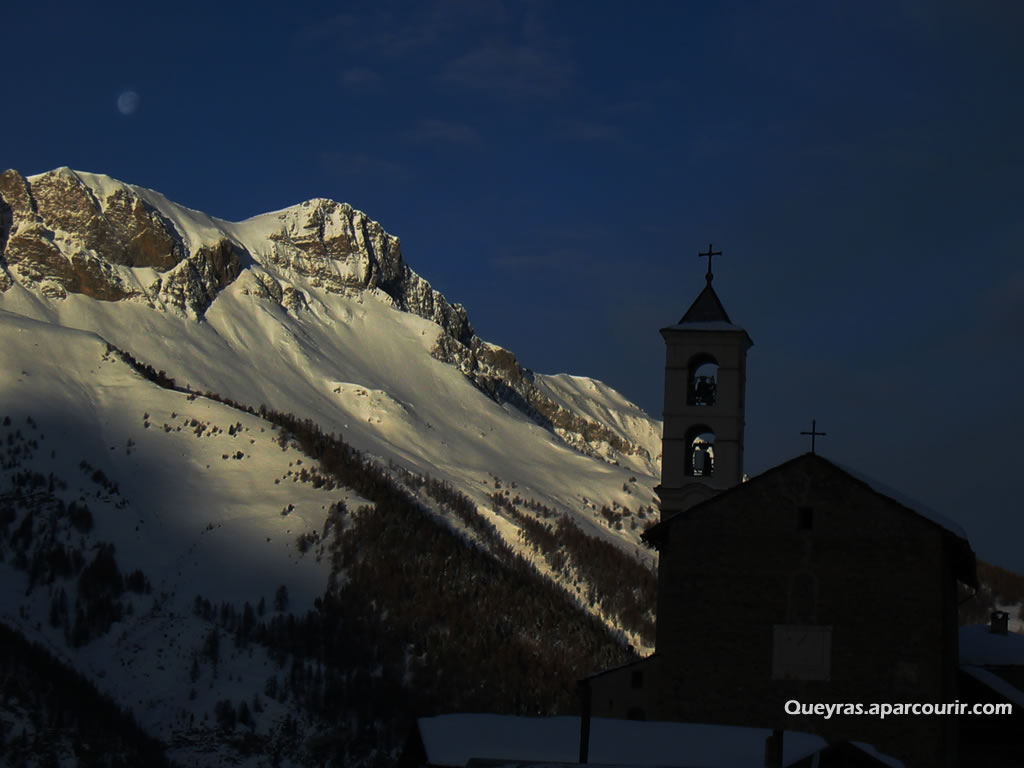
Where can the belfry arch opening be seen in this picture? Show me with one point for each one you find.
(702, 380)
(700, 454)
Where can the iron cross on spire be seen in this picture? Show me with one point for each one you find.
(709, 276)
(814, 433)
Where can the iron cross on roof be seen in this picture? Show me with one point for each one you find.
(814, 433)
(709, 276)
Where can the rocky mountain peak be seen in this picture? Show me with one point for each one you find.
(63, 236)
(65, 232)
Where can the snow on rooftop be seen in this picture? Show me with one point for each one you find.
(980, 646)
(710, 325)
(996, 683)
(868, 749)
(906, 501)
(455, 739)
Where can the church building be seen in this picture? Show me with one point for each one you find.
(807, 583)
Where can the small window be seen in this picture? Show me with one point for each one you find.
(702, 378)
(638, 679)
(700, 458)
(806, 518)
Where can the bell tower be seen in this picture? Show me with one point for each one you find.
(705, 382)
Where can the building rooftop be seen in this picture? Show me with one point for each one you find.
(461, 739)
(965, 565)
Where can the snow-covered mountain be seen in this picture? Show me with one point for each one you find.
(310, 311)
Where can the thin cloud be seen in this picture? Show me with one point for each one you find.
(434, 131)
(588, 130)
(552, 260)
(511, 72)
(360, 77)
(361, 165)
(411, 29)
(332, 29)
(377, 30)
(482, 12)
(629, 108)
(996, 327)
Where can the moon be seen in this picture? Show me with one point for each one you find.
(128, 102)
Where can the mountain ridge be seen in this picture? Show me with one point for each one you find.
(275, 430)
(142, 527)
(329, 245)
(325, 320)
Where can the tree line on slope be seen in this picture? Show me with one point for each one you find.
(419, 623)
(65, 713)
(415, 620)
(46, 538)
(621, 585)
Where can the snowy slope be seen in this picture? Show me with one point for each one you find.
(176, 484)
(357, 365)
(189, 512)
(309, 310)
(597, 401)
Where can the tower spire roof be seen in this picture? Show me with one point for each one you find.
(707, 307)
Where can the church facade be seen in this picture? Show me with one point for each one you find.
(807, 583)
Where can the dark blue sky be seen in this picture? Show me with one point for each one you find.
(557, 166)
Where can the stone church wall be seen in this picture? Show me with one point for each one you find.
(803, 562)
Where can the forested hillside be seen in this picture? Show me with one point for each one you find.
(426, 609)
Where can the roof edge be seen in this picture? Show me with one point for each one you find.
(965, 559)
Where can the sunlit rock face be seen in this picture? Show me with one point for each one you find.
(65, 232)
(14, 201)
(60, 234)
(328, 243)
(341, 249)
(61, 237)
(194, 283)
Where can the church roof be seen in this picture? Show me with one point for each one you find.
(980, 647)
(468, 739)
(906, 501)
(966, 569)
(706, 308)
(651, 660)
(995, 682)
(707, 313)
